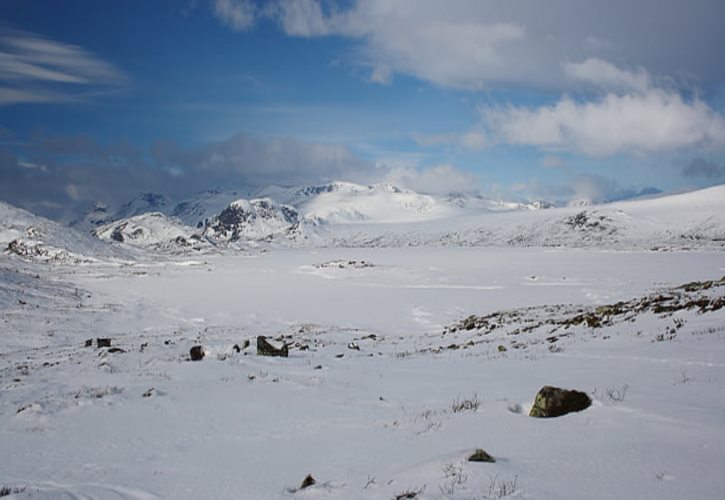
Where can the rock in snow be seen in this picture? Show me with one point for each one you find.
(196, 353)
(555, 402)
(264, 348)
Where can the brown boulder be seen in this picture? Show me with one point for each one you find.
(555, 402)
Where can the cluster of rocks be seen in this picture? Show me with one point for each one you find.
(345, 264)
(686, 297)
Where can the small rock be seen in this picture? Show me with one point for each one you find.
(555, 402)
(196, 353)
(264, 348)
(114, 350)
(307, 482)
(480, 455)
(246, 344)
(502, 348)
(338, 356)
(318, 367)
(100, 342)
(149, 393)
(89, 342)
(353, 346)
(236, 348)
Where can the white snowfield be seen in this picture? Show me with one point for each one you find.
(411, 345)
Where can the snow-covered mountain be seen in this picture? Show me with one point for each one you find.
(351, 215)
(151, 230)
(101, 214)
(256, 219)
(199, 210)
(346, 202)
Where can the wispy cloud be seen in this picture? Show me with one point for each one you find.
(239, 15)
(36, 69)
(606, 75)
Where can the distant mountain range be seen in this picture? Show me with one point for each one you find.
(346, 214)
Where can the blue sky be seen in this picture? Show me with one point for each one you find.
(558, 100)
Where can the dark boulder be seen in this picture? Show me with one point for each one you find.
(555, 402)
(196, 353)
(307, 482)
(103, 342)
(264, 348)
(480, 455)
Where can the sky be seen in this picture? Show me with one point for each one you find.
(520, 99)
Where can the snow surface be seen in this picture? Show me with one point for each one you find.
(378, 360)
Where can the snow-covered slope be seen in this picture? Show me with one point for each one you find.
(688, 220)
(39, 239)
(150, 230)
(256, 219)
(397, 371)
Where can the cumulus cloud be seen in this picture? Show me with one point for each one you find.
(423, 39)
(37, 69)
(654, 121)
(474, 44)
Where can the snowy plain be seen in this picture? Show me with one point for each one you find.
(372, 398)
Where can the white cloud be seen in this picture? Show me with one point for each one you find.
(423, 39)
(474, 44)
(305, 18)
(36, 69)
(606, 75)
(649, 122)
(440, 179)
(595, 188)
(237, 14)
